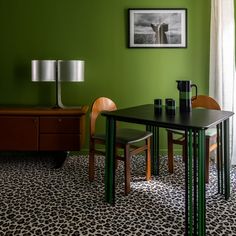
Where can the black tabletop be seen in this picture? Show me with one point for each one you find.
(145, 114)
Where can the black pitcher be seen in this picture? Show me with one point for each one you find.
(185, 95)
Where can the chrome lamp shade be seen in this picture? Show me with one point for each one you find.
(57, 71)
(44, 70)
(71, 71)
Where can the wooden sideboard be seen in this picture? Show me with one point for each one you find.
(42, 129)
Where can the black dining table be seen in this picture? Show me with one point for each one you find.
(194, 124)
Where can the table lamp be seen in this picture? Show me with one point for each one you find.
(57, 71)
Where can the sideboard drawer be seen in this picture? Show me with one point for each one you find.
(59, 125)
(60, 142)
(19, 133)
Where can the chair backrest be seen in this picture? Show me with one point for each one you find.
(203, 101)
(100, 104)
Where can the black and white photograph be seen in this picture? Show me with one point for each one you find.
(158, 28)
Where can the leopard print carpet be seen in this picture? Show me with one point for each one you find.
(36, 199)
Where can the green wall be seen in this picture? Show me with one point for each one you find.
(96, 31)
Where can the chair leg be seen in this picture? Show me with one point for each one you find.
(127, 170)
(148, 160)
(184, 153)
(207, 159)
(91, 161)
(116, 161)
(170, 152)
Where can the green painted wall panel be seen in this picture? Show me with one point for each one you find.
(97, 32)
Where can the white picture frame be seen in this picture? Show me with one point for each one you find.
(158, 28)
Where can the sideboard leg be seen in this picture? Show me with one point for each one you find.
(60, 158)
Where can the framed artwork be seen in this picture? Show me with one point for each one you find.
(158, 28)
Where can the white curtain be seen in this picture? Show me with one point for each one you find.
(222, 84)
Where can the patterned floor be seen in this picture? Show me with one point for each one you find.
(36, 199)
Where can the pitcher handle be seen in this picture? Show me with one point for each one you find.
(195, 86)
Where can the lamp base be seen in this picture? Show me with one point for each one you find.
(59, 104)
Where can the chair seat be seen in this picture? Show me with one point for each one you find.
(209, 132)
(127, 136)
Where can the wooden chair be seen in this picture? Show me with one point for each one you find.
(126, 139)
(177, 137)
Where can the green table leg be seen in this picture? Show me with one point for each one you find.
(110, 162)
(201, 216)
(219, 158)
(195, 181)
(189, 184)
(154, 148)
(226, 160)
